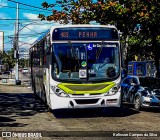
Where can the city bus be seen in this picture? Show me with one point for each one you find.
(77, 66)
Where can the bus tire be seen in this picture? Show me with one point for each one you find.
(121, 102)
(45, 100)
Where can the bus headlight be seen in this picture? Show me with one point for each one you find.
(59, 92)
(113, 90)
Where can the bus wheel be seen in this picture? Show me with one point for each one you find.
(48, 108)
(45, 100)
(121, 103)
(137, 103)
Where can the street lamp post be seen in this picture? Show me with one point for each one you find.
(16, 47)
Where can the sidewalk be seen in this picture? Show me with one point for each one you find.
(10, 80)
(7, 81)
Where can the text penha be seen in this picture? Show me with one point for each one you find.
(87, 34)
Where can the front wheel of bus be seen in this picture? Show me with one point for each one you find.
(45, 100)
(121, 102)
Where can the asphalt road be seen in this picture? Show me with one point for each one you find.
(20, 111)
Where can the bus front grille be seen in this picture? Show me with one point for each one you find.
(84, 94)
(86, 101)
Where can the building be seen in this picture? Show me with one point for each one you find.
(23, 53)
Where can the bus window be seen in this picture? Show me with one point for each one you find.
(76, 56)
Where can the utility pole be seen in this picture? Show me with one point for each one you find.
(16, 46)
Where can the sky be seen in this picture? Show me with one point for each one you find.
(30, 27)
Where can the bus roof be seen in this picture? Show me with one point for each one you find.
(42, 36)
(81, 25)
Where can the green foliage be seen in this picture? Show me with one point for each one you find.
(124, 14)
(8, 58)
(23, 62)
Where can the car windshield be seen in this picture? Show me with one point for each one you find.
(85, 61)
(150, 82)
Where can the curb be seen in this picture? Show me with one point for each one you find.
(3, 84)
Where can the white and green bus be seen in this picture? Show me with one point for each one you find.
(77, 66)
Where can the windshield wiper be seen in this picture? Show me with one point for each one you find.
(71, 47)
(74, 54)
(98, 53)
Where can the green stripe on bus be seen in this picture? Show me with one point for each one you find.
(78, 88)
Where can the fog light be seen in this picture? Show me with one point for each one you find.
(71, 103)
(103, 102)
(111, 101)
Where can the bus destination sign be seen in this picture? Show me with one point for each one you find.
(84, 34)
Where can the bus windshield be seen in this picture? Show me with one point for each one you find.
(94, 61)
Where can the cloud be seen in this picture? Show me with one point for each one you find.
(30, 31)
(7, 40)
(3, 16)
(37, 26)
(30, 16)
(8, 33)
(2, 3)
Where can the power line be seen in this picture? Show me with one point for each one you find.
(15, 19)
(12, 23)
(9, 42)
(24, 9)
(28, 5)
(27, 35)
(6, 24)
(24, 35)
(38, 22)
(32, 30)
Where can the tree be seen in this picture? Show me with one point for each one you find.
(103, 12)
(78, 12)
(124, 14)
(8, 58)
(149, 20)
(23, 62)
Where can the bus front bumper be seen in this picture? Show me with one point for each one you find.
(57, 102)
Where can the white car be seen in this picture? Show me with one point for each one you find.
(25, 70)
(141, 91)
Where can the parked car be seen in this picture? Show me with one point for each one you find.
(141, 91)
(25, 70)
(6, 72)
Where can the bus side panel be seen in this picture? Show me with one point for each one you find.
(40, 70)
(47, 79)
(33, 68)
(46, 68)
(36, 69)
